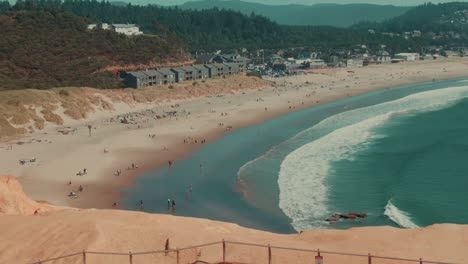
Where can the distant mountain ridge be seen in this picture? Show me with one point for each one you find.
(319, 14)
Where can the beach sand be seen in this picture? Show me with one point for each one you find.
(202, 115)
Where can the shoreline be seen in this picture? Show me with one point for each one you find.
(288, 94)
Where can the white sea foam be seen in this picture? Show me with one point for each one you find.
(303, 190)
(398, 216)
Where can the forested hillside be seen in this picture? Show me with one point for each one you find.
(215, 29)
(427, 18)
(319, 14)
(50, 48)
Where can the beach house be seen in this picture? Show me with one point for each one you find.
(212, 70)
(407, 56)
(201, 72)
(168, 76)
(179, 74)
(232, 68)
(383, 57)
(136, 79)
(354, 63)
(189, 73)
(154, 77)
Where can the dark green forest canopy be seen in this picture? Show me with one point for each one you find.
(427, 18)
(213, 29)
(51, 48)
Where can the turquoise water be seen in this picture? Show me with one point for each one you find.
(397, 154)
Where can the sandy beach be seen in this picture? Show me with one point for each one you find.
(192, 118)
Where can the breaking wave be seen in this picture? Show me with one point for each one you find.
(398, 216)
(303, 172)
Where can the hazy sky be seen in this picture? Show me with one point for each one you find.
(277, 2)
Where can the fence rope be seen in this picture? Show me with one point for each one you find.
(239, 243)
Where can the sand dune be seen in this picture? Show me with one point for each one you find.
(28, 238)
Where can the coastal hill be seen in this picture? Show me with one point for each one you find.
(209, 30)
(29, 237)
(318, 14)
(443, 17)
(51, 48)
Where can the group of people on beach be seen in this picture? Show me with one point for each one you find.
(191, 140)
(132, 167)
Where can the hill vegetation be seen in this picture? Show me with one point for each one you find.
(429, 17)
(208, 30)
(51, 48)
(319, 14)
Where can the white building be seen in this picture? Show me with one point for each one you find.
(407, 56)
(383, 57)
(105, 26)
(127, 29)
(317, 63)
(354, 63)
(92, 26)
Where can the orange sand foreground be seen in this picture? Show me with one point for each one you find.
(27, 237)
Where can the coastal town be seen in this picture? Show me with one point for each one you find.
(276, 63)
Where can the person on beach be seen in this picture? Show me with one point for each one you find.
(168, 204)
(170, 164)
(141, 205)
(80, 189)
(173, 205)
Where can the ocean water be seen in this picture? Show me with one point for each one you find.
(400, 155)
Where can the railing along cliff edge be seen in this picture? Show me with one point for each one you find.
(130, 255)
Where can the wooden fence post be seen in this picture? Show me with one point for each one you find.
(177, 251)
(269, 254)
(166, 247)
(420, 261)
(130, 257)
(84, 257)
(369, 259)
(224, 251)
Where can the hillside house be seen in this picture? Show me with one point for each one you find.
(92, 26)
(201, 72)
(127, 29)
(168, 77)
(179, 74)
(106, 26)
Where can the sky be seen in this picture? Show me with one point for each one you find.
(310, 2)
